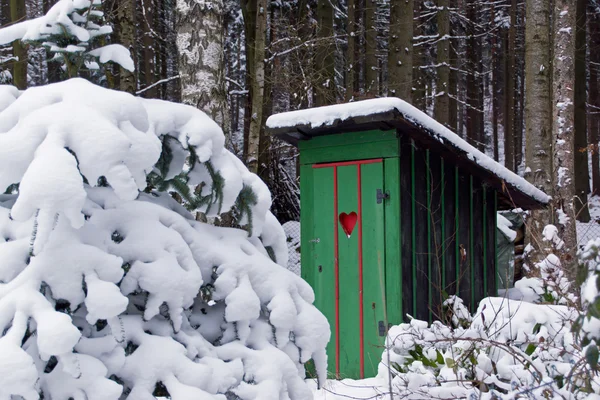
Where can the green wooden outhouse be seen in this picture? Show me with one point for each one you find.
(397, 213)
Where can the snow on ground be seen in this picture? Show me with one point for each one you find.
(366, 389)
(323, 116)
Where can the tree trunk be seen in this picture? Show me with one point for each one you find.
(453, 78)
(538, 112)
(147, 12)
(258, 86)
(563, 116)
(509, 90)
(200, 44)
(352, 67)
(519, 104)
(19, 67)
(474, 91)
(494, 88)
(594, 96)
(371, 67)
(442, 101)
(125, 24)
(582, 175)
(325, 55)
(418, 96)
(400, 56)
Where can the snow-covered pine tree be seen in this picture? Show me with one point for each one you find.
(75, 33)
(110, 289)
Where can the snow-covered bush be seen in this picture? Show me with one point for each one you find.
(512, 349)
(548, 282)
(74, 32)
(110, 289)
(588, 325)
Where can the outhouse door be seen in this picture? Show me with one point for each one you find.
(348, 250)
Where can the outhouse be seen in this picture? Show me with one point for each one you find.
(397, 213)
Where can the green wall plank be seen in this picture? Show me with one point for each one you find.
(477, 239)
(406, 228)
(436, 247)
(464, 236)
(348, 271)
(318, 248)
(421, 226)
(349, 152)
(490, 242)
(393, 244)
(450, 229)
(373, 257)
(347, 138)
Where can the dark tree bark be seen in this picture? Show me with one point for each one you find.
(509, 90)
(371, 66)
(19, 66)
(325, 88)
(400, 58)
(594, 96)
(582, 178)
(352, 52)
(125, 30)
(442, 100)
(475, 126)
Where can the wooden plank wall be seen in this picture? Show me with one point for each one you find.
(447, 233)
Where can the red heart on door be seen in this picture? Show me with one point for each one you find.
(348, 222)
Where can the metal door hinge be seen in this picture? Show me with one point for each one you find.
(382, 196)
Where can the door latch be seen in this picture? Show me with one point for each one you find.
(382, 196)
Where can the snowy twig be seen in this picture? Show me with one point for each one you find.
(157, 83)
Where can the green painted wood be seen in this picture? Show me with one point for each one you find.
(318, 246)
(348, 271)
(485, 241)
(444, 247)
(414, 228)
(428, 202)
(490, 242)
(393, 243)
(450, 229)
(422, 228)
(347, 138)
(350, 152)
(306, 222)
(436, 248)
(406, 227)
(374, 274)
(464, 235)
(477, 242)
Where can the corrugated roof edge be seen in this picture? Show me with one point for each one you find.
(322, 117)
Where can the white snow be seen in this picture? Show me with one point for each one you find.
(323, 116)
(504, 226)
(99, 279)
(69, 18)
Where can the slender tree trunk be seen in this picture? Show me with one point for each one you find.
(258, 86)
(538, 111)
(509, 90)
(325, 55)
(442, 101)
(594, 97)
(494, 88)
(400, 57)
(249, 10)
(474, 90)
(147, 10)
(519, 103)
(19, 67)
(418, 97)
(125, 24)
(453, 78)
(563, 117)
(371, 67)
(582, 175)
(352, 67)
(200, 44)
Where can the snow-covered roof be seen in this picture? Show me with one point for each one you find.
(395, 113)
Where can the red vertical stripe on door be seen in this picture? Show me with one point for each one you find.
(336, 273)
(360, 275)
